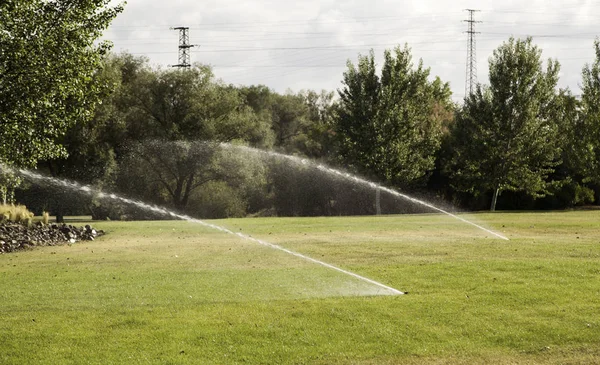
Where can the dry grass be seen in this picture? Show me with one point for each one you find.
(15, 213)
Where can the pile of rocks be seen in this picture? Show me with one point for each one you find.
(15, 236)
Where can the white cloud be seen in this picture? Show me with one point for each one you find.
(305, 45)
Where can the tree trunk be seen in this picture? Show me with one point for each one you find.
(495, 199)
(60, 218)
(378, 201)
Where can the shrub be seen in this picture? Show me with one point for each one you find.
(15, 213)
(45, 218)
(216, 199)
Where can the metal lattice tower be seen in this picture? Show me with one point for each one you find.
(184, 47)
(471, 74)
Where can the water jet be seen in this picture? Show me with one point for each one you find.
(76, 187)
(357, 180)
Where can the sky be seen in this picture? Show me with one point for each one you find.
(302, 45)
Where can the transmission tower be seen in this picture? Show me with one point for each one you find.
(471, 79)
(184, 47)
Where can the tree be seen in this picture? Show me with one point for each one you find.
(172, 116)
(189, 104)
(289, 118)
(316, 138)
(174, 167)
(174, 172)
(300, 122)
(572, 175)
(505, 136)
(92, 145)
(391, 126)
(49, 56)
(590, 110)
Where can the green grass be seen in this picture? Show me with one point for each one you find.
(179, 293)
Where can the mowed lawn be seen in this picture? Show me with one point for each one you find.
(173, 292)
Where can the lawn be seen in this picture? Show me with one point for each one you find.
(174, 292)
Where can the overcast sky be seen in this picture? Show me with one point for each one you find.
(305, 44)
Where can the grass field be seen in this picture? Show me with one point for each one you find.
(172, 292)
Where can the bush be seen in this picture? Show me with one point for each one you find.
(15, 213)
(45, 218)
(216, 199)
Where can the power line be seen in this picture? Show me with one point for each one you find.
(277, 49)
(279, 23)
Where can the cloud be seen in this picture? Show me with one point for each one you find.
(305, 45)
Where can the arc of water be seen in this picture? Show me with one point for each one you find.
(89, 190)
(308, 258)
(358, 180)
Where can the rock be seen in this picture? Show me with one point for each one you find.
(14, 236)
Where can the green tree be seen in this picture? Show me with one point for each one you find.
(92, 145)
(289, 118)
(178, 172)
(316, 138)
(300, 122)
(172, 116)
(258, 97)
(191, 105)
(505, 135)
(572, 175)
(49, 55)
(170, 170)
(391, 126)
(590, 111)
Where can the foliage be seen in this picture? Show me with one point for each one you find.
(174, 120)
(316, 140)
(218, 199)
(300, 122)
(166, 171)
(505, 135)
(93, 145)
(15, 213)
(390, 126)
(49, 56)
(572, 175)
(8, 183)
(300, 190)
(517, 135)
(289, 113)
(173, 173)
(590, 105)
(190, 105)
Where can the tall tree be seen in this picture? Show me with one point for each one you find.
(590, 110)
(572, 176)
(92, 146)
(175, 167)
(173, 113)
(355, 123)
(505, 136)
(49, 54)
(300, 122)
(390, 126)
(316, 139)
(191, 105)
(289, 118)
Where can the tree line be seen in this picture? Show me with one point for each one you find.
(72, 109)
